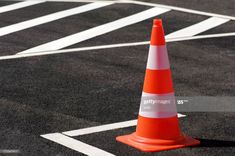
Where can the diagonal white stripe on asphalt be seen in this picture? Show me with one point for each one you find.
(76, 145)
(198, 28)
(96, 31)
(51, 17)
(18, 5)
(191, 11)
(112, 46)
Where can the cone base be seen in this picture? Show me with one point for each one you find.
(156, 145)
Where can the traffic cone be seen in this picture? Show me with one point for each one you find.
(158, 127)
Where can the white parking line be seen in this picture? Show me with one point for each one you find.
(96, 31)
(106, 127)
(85, 148)
(121, 1)
(113, 46)
(93, 32)
(198, 28)
(18, 5)
(76, 145)
(101, 128)
(180, 9)
(192, 11)
(9, 151)
(200, 37)
(51, 17)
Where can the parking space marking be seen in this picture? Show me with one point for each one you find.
(106, 127)
(66, 140)
(96, 31)
(51, 17)
(9, 151)
(192, 11)
(113, 46)
(180, 9)
(192, 30)
(199, 37)
(102, 128)
(200, 27)
(19, 5)
(76, 145)
(70, 0)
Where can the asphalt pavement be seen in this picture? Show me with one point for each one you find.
(63, 92)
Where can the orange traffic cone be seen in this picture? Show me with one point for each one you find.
(158, 126)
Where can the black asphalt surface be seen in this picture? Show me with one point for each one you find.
(57, 93)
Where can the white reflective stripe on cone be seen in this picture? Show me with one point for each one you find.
(158, 105)
(158, 58)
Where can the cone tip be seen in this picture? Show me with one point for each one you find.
(157, 36)
(157, 22)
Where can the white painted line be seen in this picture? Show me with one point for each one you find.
(93, 32)
(85, 148)
(103, 128)
(180, 9)
(19, 5)
(74, 0)
(96, 31)
(198, 28)
(51, 17)
(201, 37)
(9, 151)
(151, 4)
(76, 145)
(113, 46)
